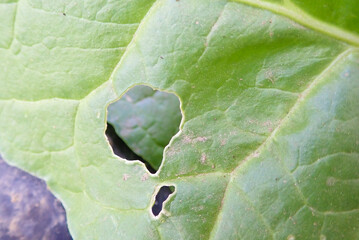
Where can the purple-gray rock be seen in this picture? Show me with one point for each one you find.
(28, 211)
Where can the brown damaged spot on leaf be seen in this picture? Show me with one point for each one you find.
(171, 151)
(200, 139)
(268, 124)
(256, 154)
(125, 177)
(223, 142)
(191, 139)
(187, 139)
(269, 73)
(203, 158)
(144, 177)
(331, 181)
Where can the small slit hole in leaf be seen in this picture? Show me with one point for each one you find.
(141, 124)
(161, 196)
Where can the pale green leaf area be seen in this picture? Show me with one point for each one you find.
(146, 120)
(269, 144)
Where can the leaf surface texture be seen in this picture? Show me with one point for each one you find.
(269, 93)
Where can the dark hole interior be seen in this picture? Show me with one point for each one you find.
(161, 196)
(121, 149)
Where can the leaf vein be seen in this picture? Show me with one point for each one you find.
(295, 13)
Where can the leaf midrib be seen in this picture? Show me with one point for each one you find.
(300, 17)
(295, 13)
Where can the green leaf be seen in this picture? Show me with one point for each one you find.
(269, 144)
(146, 120)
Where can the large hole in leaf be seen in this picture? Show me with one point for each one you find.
(161, 196)
(142, 123)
